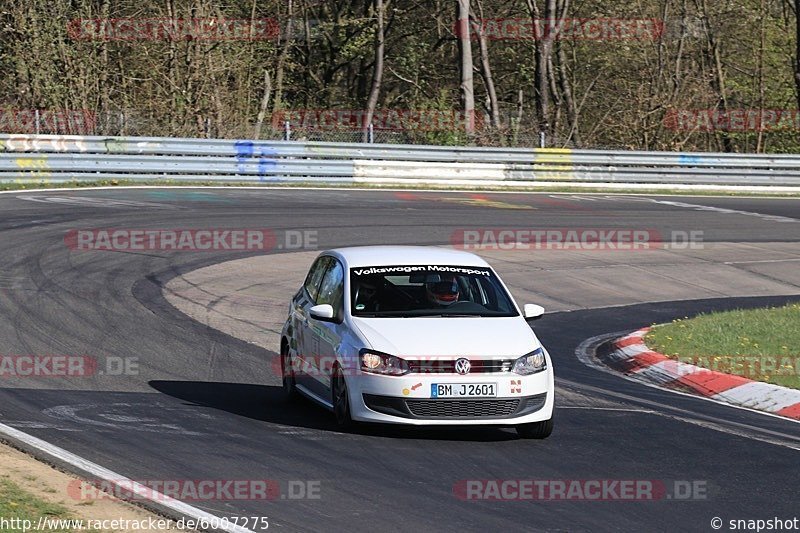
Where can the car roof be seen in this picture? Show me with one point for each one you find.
(364, 256)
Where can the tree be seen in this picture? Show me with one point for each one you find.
(466, 64)
(796, 10)
(486, 68)
(377, 70)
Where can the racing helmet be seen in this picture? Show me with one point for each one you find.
(443, 291)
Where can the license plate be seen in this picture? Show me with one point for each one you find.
(463, 390)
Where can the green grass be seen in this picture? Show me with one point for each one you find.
(18, 503)
(760, 344)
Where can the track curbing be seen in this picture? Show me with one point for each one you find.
(630, 355)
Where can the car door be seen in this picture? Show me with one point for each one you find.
(328, 334)
(304, 300)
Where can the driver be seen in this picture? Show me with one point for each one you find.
(366, 297)
(443, 292)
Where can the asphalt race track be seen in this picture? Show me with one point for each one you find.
(204, 405)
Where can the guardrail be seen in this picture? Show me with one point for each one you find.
(55, 158)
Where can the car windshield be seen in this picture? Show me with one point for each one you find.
(428, 290)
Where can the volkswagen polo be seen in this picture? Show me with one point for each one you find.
(416, 335)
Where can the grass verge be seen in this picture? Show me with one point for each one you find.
(759, 344)
(31, 489)
(17, 506)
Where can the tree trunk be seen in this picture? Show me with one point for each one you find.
(557, 102)
(465, 54)
(262, 112)
(718, 80)
(760, 74)
(564, 82)
(172, 69)
(566, 89)
(278, 102)
(377, 72)
(518, 119)
(486, 68)
(542, 58)
(105, 100)
(797, 51)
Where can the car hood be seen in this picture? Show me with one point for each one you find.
(456, 337)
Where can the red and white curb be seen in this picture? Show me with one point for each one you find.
(630, 355)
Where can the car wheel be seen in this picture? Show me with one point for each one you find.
(287, 371)
(536, 430)
(341, 400)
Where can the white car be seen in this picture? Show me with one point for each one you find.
(416, 335)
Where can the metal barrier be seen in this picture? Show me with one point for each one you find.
(55, 158)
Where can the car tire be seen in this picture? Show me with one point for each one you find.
(290, 392)
(536, 430)
(341, 400)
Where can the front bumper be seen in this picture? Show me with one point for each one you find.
(408, 399)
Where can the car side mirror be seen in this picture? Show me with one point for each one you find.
(322, 312)
(533, 311)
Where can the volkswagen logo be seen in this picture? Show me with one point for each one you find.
(462, 366)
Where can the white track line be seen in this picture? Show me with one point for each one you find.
(759, 261)
(94, 470)
(722, 210)
(653, 190)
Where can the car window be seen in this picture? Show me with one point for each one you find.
(314, 276)
(331, 290)
(426, 290)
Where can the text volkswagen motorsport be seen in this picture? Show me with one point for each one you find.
(416, 335)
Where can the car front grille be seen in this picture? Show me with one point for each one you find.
(462, 408)
(455, 409)
(478, 366)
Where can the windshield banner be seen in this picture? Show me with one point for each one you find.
(407, 269)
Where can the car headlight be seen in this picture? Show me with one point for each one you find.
(382, 363)
(530, 363)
